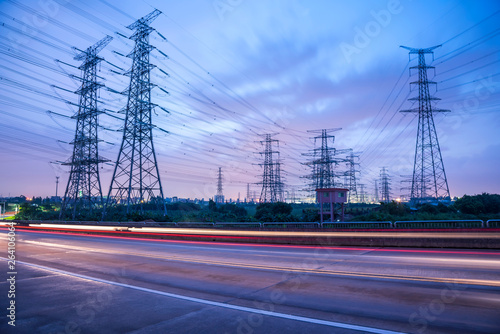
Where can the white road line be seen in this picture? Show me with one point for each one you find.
(212, 303)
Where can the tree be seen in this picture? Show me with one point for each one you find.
(477, 204)
(270, 212)
(394, 208)
(28, 211)
(212, 207)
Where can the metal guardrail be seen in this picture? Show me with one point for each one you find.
(367, 224)
(439, 224)
(495, 223)
(238, 224)
(195, 224)
(292, 225)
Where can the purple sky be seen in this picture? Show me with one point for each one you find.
(280, 66)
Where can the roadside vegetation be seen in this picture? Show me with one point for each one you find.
(483, 207)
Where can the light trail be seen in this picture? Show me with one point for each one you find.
(375, 287)
(213, 303)
(244, 233)
(491, 283)
(319, 246)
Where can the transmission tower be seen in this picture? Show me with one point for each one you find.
(249, 194)
(83, 191)
(272, 186)
(385, 185)
(323, 162)
(136, 179)
(293, 196)
(376, 192)
(429, 181)
(57, 184)
(219, 198)
(351, 177)
(362, 194)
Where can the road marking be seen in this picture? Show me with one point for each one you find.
(465, 281)
(217, 304)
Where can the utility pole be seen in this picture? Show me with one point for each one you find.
(272, 186)
(136, 178)
(219, 198)
(57, 184)
(84, 185)
(429, 182)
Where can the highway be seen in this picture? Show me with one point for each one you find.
(99, 284)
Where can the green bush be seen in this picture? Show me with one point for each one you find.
(275, 212)
(478, 204)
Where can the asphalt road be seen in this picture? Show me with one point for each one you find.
(94, 284)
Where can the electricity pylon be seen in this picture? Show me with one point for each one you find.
(362, 193)
(351, 177)
(376, 199)
(429, 183)
(272, 186)
(324, 161)
(219, 198)
(136, 178)
(83, 191)
(385, 185)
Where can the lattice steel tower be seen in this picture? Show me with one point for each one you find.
(83, 191)
(385, 185)
(136, 178)
(219, 198)
(249, 195)
(362, 193)
(323, 162)
(272, 186)
(376, 199)
(351, 177)
(429, 181)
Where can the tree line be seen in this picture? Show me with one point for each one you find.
(484, 207)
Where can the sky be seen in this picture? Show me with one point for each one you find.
(239, 69)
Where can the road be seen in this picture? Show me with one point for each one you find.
(94, 284)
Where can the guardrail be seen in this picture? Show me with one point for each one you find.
(195, 224)
(291, 225)
(495, 223)
(439, 224)
(417, 224)
(368, 224)
(238, 224)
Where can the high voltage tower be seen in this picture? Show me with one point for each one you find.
(219, 198)
(83, 191)
(136, 179)
(351, 177)
(385, 185)
(362, 193)
(376, 199)
(323, 162)
(429, 181)
(272, 186)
